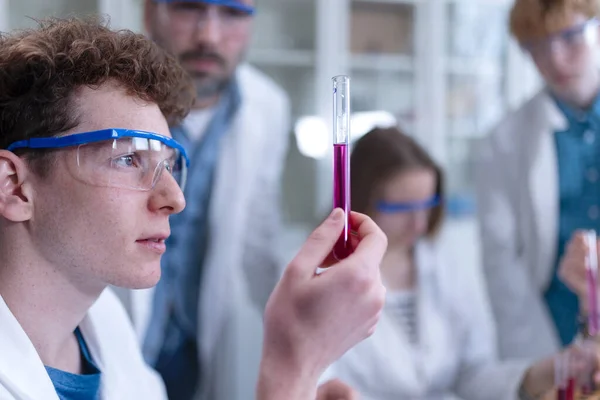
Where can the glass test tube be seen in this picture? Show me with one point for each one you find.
(564, 384)
(341, 159)
(591, 271)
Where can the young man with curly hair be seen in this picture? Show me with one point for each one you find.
(89, 175)
(538, 178)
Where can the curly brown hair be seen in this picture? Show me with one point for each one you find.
(533, 19)
(377, 157)
(41, 68)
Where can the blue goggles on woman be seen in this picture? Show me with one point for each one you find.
(408, 207)
(120, 158)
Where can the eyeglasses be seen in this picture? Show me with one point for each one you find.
(119, 158)
(566, 40)
(192, 14)
(408, 207)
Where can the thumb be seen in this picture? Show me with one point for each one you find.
(336, 390)
(318, 246)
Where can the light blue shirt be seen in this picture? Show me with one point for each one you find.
(85, 386)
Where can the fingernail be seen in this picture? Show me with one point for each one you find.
(336, 214)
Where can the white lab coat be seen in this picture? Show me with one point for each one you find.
(455, 357)
(113, 345)
(518, 202)
(242, 265)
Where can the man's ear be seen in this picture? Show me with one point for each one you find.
(16, 194)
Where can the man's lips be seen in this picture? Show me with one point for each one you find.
(154, 243)
(202, 61)
(203, 64)
(562, 79)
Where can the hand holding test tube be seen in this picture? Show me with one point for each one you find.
(575, 371)
(588, 345)
(341, 159)
(579, 270)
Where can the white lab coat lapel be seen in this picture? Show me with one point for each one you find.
(434, 357)
(543, 183)
(387, 360)
(104, 359)
(22, 372)
(438, 355)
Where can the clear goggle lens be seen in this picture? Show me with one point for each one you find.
(128, 162)
(569, 39)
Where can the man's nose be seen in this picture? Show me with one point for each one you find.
(558, 55)
(167, 195)
(210, 27)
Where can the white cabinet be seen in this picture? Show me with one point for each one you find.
(15, 14)
(476, 53)
(22, 13)
(486, 74)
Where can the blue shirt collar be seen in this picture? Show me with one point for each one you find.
(575, 115)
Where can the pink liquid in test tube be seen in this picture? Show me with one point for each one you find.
(340, 197)
(567, 393)
(565, 385)
(341, 160)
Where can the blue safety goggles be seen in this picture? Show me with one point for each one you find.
(583, 33)
(406, 207)
(225, 3)
(122, 158)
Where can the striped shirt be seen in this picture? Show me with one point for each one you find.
(402, 307)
